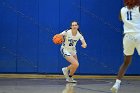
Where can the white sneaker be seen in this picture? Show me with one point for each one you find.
(71, 80)
(65, 72)
(115, 88)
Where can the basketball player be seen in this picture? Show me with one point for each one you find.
(130, 15)
(68, 50)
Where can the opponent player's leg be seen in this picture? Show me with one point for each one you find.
(129, 46)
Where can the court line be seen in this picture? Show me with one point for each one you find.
(47, 76)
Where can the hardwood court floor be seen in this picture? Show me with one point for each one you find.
(61, 86)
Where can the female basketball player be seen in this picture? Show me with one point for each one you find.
(68, 50)
(130, 15)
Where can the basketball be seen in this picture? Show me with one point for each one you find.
(58, 39)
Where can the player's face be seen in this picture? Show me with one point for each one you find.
(74, 26)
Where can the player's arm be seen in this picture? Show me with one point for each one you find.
(120, 17)
(84, 44)
(63, 33)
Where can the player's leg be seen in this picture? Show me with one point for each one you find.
(124, 66)
(129, 50)
(70, 66)
(74, 64)
(73, 67)
(75, 56)
(129, 46)
(68, 55)
(65, 70)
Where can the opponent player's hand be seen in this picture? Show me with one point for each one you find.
(84, 45)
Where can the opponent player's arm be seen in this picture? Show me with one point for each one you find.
(84, 44)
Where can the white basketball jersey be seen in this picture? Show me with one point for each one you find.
(131, 19)
(70, 41)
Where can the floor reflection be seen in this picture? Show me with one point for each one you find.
(69, 88)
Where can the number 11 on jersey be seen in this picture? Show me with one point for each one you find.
(129, 15)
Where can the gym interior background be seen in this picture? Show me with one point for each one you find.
(27, 28)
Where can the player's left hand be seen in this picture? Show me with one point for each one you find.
(84, 45)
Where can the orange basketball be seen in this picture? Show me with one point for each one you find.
(58, 39)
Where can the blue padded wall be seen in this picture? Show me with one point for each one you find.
(27, 28)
